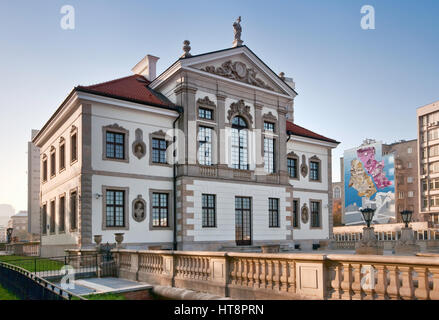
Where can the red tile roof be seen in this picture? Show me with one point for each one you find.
(133, 88)
(300, 131)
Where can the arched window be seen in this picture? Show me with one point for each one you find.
(239, 144)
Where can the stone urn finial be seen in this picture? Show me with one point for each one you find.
(282, 75)
(119, 239)
(98, 239)
(186, 49)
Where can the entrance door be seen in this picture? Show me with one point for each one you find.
(243, 223)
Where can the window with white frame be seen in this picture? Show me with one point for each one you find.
(269, 155)
(205, 146)
(239, 144)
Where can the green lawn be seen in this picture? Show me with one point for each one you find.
(6, 295)
(105, 296)
(28, 263)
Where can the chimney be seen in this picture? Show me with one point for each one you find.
(146, 67)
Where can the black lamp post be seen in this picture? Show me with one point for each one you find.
(367, 215)
(9, 235)
(406, 216)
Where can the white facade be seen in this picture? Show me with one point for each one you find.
(94, 116)
(33, 186)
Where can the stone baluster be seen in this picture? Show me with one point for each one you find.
(381, 286)
(292, 277)
(256, 280)
(356, 284)
(269, 279)
(368, 282)
(336, 282)
(394, 285)
(250, 273)
(263, 276)
(276, 274)
(434, 293)
(284, 276)
(422, 291)
(347, 281)
(407, 289)
(234, 271)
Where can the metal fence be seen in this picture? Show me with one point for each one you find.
(28, 286)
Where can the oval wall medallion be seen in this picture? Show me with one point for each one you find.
(139, 147)
(303, 167)
(139, 209)
(305, 215)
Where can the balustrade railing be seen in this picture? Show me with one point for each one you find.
(290, 276)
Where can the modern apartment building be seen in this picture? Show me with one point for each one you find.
(428, 161)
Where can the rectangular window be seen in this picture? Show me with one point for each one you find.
(269, 155)
(401, 195)
(44, 170)
(273, 212)
(209, 210)
(73, 211)
(409, 150)
(205, 146)
(159, 150)
(74, 147)
(62, 157)
(115, 208)
(268, 126)
(160, 209)
(314, 171)
(204, 113)
(409, 179)
(315, 214)
(243, 230)
(295, 213)
(52, 217)
(115, 145)
(292, 167)
(53, 164)
(44, 219)
(424, 202)
(61, 213)
(424, 185)
(410, 194)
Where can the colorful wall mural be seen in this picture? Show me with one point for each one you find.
(369, 180)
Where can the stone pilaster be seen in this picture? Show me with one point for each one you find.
(259, 125)
(85, 203)
(330, 216)
(220, 119)
(185, 94)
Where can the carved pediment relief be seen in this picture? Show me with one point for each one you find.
(206, 102)
(292, 154)
(239, 108)
(238, 71)
(269, 117)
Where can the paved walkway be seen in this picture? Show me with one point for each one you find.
(105, 285)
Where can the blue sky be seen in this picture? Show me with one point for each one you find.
(352, 83)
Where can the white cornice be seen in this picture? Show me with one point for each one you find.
(313, 141)
(126, 104)
(51, 125)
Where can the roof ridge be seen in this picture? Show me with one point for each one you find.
(114, 80)
(322, 137)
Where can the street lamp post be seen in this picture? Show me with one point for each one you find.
(369, 243)
(406, 243)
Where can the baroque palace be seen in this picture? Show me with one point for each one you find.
(205, 156)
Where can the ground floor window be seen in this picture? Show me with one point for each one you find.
(61, 213)
(160, 209)
(52, 216)
(273, 212)
(73, 211)
(295, 213)
(208, 207)
(44, 219)
(315, 214)
(243, 220)
(115, 208)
